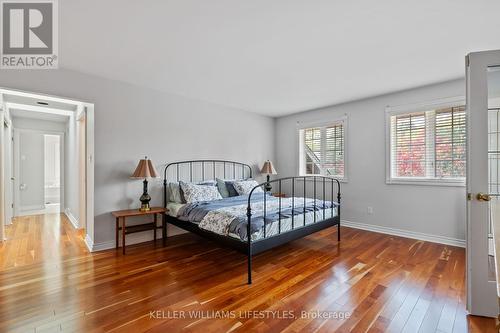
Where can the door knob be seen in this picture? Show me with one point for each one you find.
(483, 197)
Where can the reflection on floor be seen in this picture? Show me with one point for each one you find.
(40, 238)
(49, 282)
(50, 208)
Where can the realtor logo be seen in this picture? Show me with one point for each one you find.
(29, 34)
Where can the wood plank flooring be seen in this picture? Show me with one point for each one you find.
(368, 283)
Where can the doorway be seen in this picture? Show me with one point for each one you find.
(53, 172)
(52, 159)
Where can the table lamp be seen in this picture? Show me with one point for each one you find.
(145, 170)
(269, 170)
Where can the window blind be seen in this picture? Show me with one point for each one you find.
(410, 145)
(429, 144)
(323, 150)
(450, 142)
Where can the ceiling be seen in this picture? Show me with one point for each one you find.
(276, 57)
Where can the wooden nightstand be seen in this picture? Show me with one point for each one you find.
(123, 214)
(279, 195)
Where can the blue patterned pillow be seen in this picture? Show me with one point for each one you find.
(195, 193)
(245, 186)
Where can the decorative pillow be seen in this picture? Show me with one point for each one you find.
(221, 186)
(180, 196)
(245, 186)
(195, 193)
(226, 188)
(230, 188)
(174, 193)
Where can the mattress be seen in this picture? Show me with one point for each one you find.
(228, 216)
(272, 228)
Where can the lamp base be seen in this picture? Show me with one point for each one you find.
(268, 186)
(145, 198)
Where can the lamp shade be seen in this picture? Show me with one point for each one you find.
(268, 168)
(145, 169)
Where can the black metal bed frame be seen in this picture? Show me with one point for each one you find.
(254, 247)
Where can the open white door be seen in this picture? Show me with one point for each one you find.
(482, 180)
(2, 172)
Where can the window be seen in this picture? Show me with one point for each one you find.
(428, 146)
(322, 149)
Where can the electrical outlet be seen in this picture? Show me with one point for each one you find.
(369, 210)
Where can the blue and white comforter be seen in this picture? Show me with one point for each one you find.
(228, 216)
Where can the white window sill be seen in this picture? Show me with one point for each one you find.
(426, 182)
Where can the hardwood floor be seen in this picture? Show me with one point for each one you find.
(50, 283)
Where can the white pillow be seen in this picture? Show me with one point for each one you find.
(245, 186)
(195, 193)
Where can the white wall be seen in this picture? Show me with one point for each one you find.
(433, 210)
(132, 121)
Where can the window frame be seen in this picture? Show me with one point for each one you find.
(432, 106)
(300, 142)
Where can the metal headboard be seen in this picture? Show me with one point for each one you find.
(200, 170)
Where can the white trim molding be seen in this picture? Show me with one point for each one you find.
(90, 244)
(72, 218)
(405, 233)
(143, 237)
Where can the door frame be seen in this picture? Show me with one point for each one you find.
(2, 178)
(90, 133)
(8, 165)
(17, 194)
(482, 298)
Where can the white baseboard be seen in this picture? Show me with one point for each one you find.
(405, 233)
(89, 243)
(131, 239)
(94, 247)
(148, 236)
(72, 218)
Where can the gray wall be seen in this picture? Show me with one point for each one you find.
(31, 170)
(131, 122)
(434, 210)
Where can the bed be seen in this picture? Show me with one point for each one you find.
(254, 221)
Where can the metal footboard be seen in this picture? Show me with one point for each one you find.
(326, 188)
